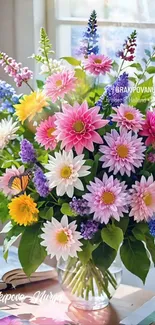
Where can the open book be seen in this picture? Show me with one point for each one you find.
(11, 272)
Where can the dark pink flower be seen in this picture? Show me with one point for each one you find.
(149, 128)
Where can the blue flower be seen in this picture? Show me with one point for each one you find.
(118, 92)
(90, 37)
(151, 225)
(8, 97)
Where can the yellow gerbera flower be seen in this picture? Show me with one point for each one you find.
(23, 210)
(30, 105)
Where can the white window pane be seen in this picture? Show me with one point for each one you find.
(110, 41)
(112, 10)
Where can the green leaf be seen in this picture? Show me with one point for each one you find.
(31, 253)
(142, 95)
(137, 66)
(134, 257)
(150, 244)
(40, 83)
(133, 79)
(138, 234)
(112, 236)
(47, 213)
(151, 69)
(79, 73)
(4, 212)
(147, 52)
(123, 223)
(65, 209)
(152, 59)
(71, 60)
(144, 60)
(103, 256)
(86, 253)
(115, 66)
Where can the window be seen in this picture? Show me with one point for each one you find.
(116, 20)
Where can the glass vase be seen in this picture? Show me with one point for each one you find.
(86, 286)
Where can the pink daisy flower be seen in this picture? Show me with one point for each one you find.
(4, 180)
(149, 128)
(97, 64)
(123, 152)
(76, 127)
(44, 134)
(142, 199)
(107, 198)
(128, 118)
(60, 84)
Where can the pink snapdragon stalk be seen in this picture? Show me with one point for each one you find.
(13, 69)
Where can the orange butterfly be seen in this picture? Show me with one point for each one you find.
(20, 183)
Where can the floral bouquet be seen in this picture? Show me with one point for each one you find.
(77, 165)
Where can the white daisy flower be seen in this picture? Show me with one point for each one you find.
(64, 172)
(61, 238)
(8, 130)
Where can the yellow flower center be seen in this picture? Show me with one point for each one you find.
(122, 151)
(25, 208)
(66, 172)
(98, 61)
(108, 197)
(79, 126)
(148, 199)
(50, 131)
(58, 83)
(62, 237)
(129, 116)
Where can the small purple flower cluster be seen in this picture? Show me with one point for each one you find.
(89, 229)
(15, 69)
(129, 46)
(27, 153)
(118, 92)
(41, 183)
(79, 206)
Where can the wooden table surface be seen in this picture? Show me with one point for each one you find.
(125, 300)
